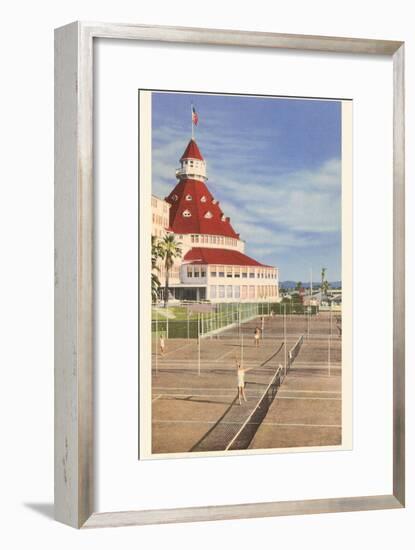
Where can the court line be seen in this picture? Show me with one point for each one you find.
(259, 393)
(224, 355)
(177, 349)
(248, 423)
(311, 398)
(310, 391)
(157, 397)
(164, 388)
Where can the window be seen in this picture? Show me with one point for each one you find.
(188, 197)
(213, 291)
(244, 273)
(203, 272)
(252, 292)
(187, 214)
(221, 291)
(189, 271)
(196, 238)
(208, 215)
(251, 273)
(203, 199)
(192, 238)
(236, 272)
(223, 218)
(229, 272)
(213, 271)
(244, 291)
(174, 198)
(221, 271)
(229, 291)
(214, 201)
(196, 272)
(236, 291)
(221, 240)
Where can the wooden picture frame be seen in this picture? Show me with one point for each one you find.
(74, 269)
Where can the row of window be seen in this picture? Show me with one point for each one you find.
(189, 198)
(213, 239)
(242, 272)
(187, 214)
(244, 291)
(196, 271)
(160, 220)
(154, 204)
(230, 272)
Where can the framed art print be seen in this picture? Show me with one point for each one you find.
(229, 274)
(248, 352)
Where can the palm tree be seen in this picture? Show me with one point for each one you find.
(298, 286)
(170, 250)
(155, 255)
(325, 287)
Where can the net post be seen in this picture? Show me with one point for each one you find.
(188, 322)
(167, 326)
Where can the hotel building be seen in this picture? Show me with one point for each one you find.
(213, 265)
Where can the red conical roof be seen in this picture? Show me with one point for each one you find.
(192, 151)
(203, 214)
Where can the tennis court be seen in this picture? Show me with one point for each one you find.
(293, 399)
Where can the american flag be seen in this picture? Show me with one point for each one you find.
(195, 116)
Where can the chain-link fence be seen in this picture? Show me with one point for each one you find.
(190, 324)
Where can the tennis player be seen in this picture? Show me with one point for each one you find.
(257, 335)
(241, 381)
(162, 344)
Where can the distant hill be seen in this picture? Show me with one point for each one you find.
(292, 284)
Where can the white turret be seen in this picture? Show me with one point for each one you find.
(192, 164)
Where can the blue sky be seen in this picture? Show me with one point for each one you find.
(275, 166)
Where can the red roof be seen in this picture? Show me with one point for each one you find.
(219, 256)
(192, 151)
(206, 216)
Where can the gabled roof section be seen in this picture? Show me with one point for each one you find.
(222, 256)
(192, 151)
(194, 210)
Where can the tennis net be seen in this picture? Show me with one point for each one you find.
(295, 350)
(246, 432)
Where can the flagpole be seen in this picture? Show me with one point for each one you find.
(191, 118)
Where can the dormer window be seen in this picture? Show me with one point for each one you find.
(214, 201)
(174, 198)
(186, 214)
(223, 218)
(188, 197)
(203, 199)
(208, 215)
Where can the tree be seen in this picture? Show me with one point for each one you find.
(155, 255)
(324, 283)
(298, 286)
(323, 276)
(170, 250)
